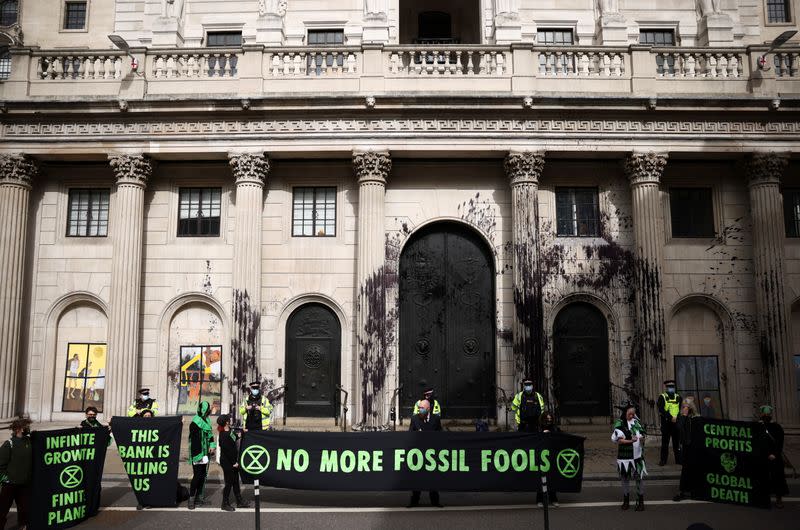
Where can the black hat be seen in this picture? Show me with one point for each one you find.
(255, 384)
(428, 390)
(223, 419)
(669, 382)
(527, 381)
(144, 390)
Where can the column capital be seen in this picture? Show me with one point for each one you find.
(18, 169)
(250, 168)
(134, 170)
(524, 167)
(766, 168)
(645, 168)
(372, 166)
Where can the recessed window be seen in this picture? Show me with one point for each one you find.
(75, 15)
(5, 66)
(224, 39)
(697, 377)
(791, 211)
(435, 27)
(87, 215)
(200, 379)
(551, 37)
(199, 211)
(325, 37)
(9, 10)
(657, 37)
(577, 212)
(692, 212)
(778, 11)
(85, 378)
(314, 212)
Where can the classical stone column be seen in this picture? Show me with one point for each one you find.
(250, 172)
(764, 171)
(523, 170)
(127, 224)
(371, 169)
(648, 356)
(17, 172)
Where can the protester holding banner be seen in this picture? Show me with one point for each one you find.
(528, 406)
(143, 403)
(773, 441)
(256, 410)
(684, 424)
(201, 446)
(424, 421)
(229, 460)
(16, 469)
(629, 436)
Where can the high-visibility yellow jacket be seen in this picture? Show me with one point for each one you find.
(266, 411)
(139, 406)
(436, 408)
(516, 405)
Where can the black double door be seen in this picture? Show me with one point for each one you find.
(580, 334)
(313, 358)
(447, 329)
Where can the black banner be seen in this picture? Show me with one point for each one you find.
(150, 449)
(727, 462)
(444, 461)
(67, 474)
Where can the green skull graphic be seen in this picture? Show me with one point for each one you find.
(728, 461)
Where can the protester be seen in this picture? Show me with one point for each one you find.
(629, 436)
(424, 421)
(528, 407)
(668, 406)
(256, 410)
(684, 424)
(146, 414)
(16, 470)
(229, 460)
(429, 396)
(772, 434)
(707, 409)
(142, 403)
(201, 446)
(547, 423)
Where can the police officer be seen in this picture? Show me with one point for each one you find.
(142, 403)
(528, 407)
(256, 410)
(428, 395)
(669, 406)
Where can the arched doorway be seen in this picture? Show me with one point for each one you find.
(313, 360)
(447, 326)
(580, 337)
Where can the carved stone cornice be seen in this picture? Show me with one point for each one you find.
(372, 166)
(134, 170)
(766, 168)
(524, 167)
(645, 168)
(250, 168)
(18, 169)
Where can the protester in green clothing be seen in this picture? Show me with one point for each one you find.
(16, 469)
(201, 447)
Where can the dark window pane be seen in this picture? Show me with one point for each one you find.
(8, 12)
(434, 25)
(84, 381)
(657, 37)
(778, 11)
(577, 212)
(554, 36)
(199, 211)
(325, 37)
(75, 15)
(685, 374)
(707, 373)
(697, 378)
(87, 213)
(692, 212)
(200, 378)
(224, 39)
(314, 211)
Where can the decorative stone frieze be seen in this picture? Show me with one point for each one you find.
(372, 166)
(134, 170)
(250, 168)
(524, 167)
(18, 169)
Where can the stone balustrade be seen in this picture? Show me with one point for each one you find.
(372, 69)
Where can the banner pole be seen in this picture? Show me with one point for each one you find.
(257, 499)
(545, 500)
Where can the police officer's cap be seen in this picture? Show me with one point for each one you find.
(255, 384)
(669, 382)
(144, 390)
(223, 419)
(428, 390)
(527, 381)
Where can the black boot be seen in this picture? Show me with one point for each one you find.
(226, 506)
(190, 503)
(626, 502)
(241, 503)
(640, 503)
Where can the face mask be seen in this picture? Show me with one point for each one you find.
(144, 397)
(707, 401)
(670, 390)
(423, 411)
(528, 388)
(254, 391)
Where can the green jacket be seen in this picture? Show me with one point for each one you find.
(16, 461)
(201, 437)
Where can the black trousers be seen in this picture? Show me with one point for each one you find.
(670, 432)
(415, 495)
(199, 474)
(14, 493)
(231, 482)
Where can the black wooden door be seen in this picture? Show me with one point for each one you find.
(313, 357)
(447, 330)
(580, 336)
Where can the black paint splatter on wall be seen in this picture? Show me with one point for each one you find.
(244, 344)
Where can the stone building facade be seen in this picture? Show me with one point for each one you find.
(350, 204)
